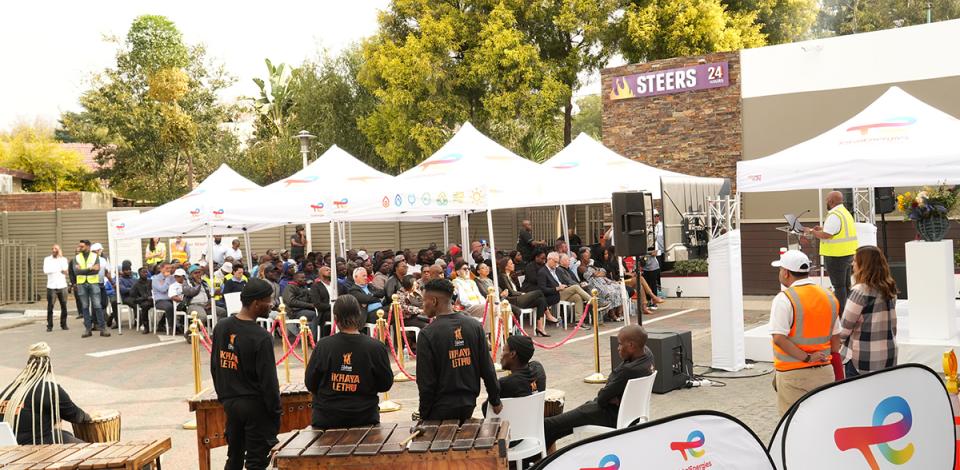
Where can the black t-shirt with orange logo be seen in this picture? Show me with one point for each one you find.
(452, 358)
(345, 373)
(242, 363)
(524, 382)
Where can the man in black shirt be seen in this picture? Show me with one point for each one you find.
(346, 371)
(526, 377)
(296, 296)
(525, 243)
(245, 376)
(602, 411)
(452, 357)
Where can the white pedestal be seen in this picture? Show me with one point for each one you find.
(726, 302)
(931, 288)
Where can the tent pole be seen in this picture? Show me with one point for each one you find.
(820, 222)
(446, 232)
(493, 258)
(246, 246)
(334, 281)
(465, 234)
(565, 226)
(213, 292)
(116, 282)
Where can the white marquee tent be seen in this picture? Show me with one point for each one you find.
(897, 140)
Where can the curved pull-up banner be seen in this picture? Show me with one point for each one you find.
(698, 440)
(898, 418)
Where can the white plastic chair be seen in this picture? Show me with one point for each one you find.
(525, 416)
(634, 407)
(177, 313)
(130, 315)
(565, 309)
(6, 435)
(532, 312)
(233, 303)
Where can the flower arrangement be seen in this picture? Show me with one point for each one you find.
(930, 202)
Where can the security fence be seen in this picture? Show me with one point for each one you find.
(18, 261)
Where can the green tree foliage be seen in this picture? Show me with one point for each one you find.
(329, 101)
(33, 150)
(434, 65)
(840, 17)
(780, 21)
(273, 105)
(588, 119)
(154, 113)
(657, 30)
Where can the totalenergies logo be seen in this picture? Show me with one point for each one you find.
(566, 165)
(608, 462)
(218, 214)
(195, 213)
(341, 204)
(889, 123)
(120, 226)
(445, 160)
(695, 440)
(291, 181)
(879, 434)
(317, 208)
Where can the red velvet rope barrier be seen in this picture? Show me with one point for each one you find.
(292, 350)
(393, 352)
(564, 340)
(406, 342)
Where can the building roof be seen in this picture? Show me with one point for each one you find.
(87, 153)
(16, 174)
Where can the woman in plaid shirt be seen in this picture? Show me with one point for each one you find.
(869, 320)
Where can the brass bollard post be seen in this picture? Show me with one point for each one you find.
(195, 350)
(397, 313)
(304, 340)
(282, 318)
(596, 377)
(386, 405)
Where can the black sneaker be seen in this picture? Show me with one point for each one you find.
(49, 329)
(104, 333)
(86, 334)
(64, 327)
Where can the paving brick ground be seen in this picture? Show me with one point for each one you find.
(149, 387)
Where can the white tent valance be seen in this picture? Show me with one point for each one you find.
(897, 140)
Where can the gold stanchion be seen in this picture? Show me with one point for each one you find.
(282, 318)
(195, 347)
(304, 339)
(386, 405)
(397, 314)
(491, 308)
(507, 315)
(596, 377)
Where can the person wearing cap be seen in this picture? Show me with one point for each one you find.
(805, 328)
(452, 359)
(838, 243)
(104, 277)
(87, 270)
(175, 291)
(196, 290)
(526, 377)
(161, 283)
(244, 372)
(225, 270)
(34, 403)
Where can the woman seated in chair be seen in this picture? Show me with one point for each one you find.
(34, 404)
(411, 306)
(519, 300)
(608, 290)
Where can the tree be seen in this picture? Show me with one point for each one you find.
(780, 21)
(155, 112)
(273, 105)
(659, 30)
(329, 101)
(434, 65)
(841, 17)
(33, 150)
(589, 119)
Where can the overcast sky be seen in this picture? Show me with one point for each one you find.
(51, 48)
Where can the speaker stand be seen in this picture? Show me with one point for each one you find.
(638, 273)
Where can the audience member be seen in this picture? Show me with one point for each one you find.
(320, 296)
(161, 297)
(468, 296)
(297, 298)
(234, 251)
(518, 300)
(868, 326)
(369, 297)
(298, 241)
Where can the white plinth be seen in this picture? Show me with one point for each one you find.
(726, 302)
(931, 290)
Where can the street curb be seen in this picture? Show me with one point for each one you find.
(9, 324)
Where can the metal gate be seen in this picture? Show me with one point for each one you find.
(18, 263)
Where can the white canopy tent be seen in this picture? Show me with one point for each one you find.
(897, 140)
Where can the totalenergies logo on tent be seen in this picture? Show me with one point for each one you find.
(695, 440)
(316, 208)
(608, 462)
(120, 226)
(341, 204)
(879, 434)
(218, 214)
(892, 123)
(566, 165)
(292, 181)
(195, 213)
(444, 160)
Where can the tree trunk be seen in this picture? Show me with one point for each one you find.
(568, 120)
(190, 170)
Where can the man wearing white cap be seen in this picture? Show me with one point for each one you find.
(104, 277)
(805, 329)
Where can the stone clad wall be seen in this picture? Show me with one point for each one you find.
(695, 132)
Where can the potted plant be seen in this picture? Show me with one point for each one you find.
(929, 210)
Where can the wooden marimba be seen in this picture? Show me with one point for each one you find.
(442, 445)
(132, 455)
(296, 406)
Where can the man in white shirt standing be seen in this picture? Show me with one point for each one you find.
(55, 267)
(234, 251)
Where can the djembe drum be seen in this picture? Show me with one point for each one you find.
(103, 426)
(553, 402)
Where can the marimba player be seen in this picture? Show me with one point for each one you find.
(346, 371)
(452, 358)
(34, 403)
(244, 374)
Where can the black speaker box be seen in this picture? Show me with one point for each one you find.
(884, 200)
(672, 357)
(630, 222)
(899, 272)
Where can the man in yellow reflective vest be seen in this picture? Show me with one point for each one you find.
(838, 243)
(805, 328)
(87, 269)
(179, 251)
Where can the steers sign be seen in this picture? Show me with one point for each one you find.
(666, 82)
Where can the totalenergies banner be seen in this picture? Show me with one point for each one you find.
(698, 440)
(899, 418)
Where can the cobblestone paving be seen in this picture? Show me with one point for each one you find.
(150, 386)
